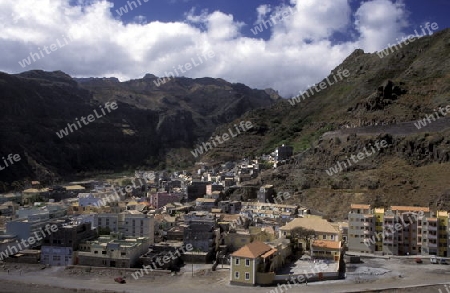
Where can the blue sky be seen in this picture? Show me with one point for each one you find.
(303, 40)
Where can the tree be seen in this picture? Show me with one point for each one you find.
(3, 186)
(103, 231)
(126, 182)
(301, 233)
(17, 185)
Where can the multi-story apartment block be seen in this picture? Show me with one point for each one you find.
(196, 189)
(443, 219)
(200, 231)
(448, 236)
(361, 225)
(58, 247)
(161, 199)
(399, 230)
(129, 224)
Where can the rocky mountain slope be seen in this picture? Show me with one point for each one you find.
(149, 123)
(381, 99)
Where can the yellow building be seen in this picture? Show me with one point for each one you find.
(379, 223)
(443, 222)
(326, 249)
(252, 264)
(324, 230)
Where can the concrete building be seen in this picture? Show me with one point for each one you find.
(361, 225)
(24, 228)
(113, 250)
(205, 204)
(14, 197)
(97, 199)
(210, 188)
(200, 230)
(283, 153)
(129, 224)
(399, 230)
(442, 224)
(57, 249)
(235, 240)
(261, 210)
(266, 194)
(196, 189)
(326, 249)
(161, 199)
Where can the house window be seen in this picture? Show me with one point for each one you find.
(236, 275)
(247, 276)
(247, 262)
(237, 261)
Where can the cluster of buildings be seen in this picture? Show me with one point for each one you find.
(398, 230)
(105, 225)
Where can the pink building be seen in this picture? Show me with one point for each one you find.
(160, 199)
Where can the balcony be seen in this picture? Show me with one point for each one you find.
(432, 228)
(431, 236)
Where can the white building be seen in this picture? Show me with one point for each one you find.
(130, 224)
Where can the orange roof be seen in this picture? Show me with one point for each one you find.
(360, 206)
(327, 244)
(252, 250)
(269, 253)
(409, 208)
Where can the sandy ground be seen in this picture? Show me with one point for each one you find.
(374, 275)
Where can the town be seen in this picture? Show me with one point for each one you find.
(257, 232)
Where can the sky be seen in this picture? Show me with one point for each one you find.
(286, 45)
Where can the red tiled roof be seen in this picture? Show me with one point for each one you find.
(252, 250)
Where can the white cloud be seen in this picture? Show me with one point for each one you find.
(262, 11)
(298, 53)
(380, 22)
